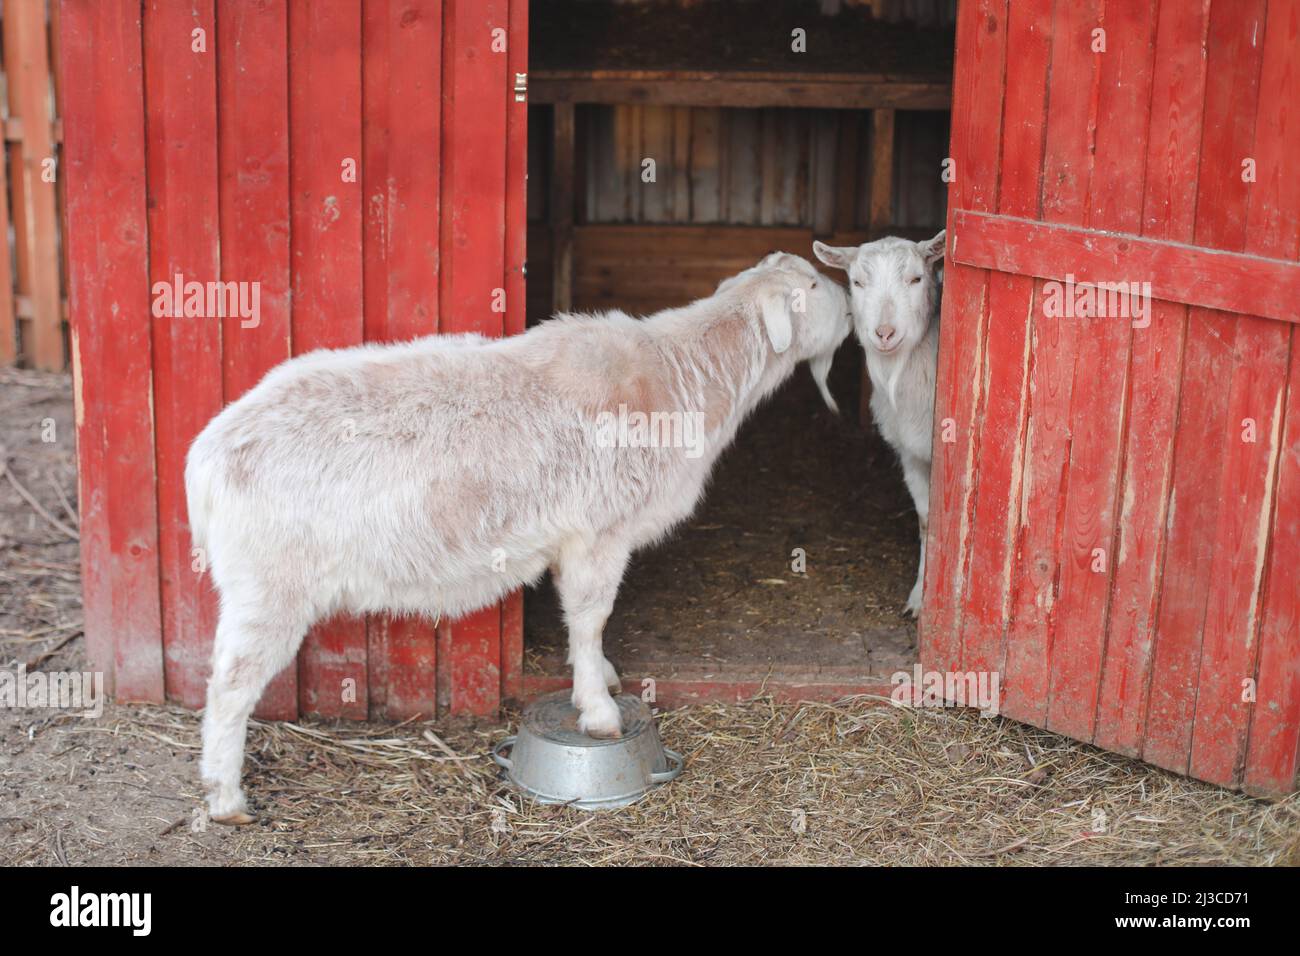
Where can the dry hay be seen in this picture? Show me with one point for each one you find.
(850, 783)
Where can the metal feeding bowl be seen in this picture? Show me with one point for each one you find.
(554, 762)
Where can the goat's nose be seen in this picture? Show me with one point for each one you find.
(886, 333)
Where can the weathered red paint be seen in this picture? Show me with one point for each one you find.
(1273, 735)
(402, 64)
(181, 173)
(1001, 423)
(476, 91)
(325, 255)
(1139, 533)
(1209, 278)
(108, 245)
(976, 144)
(253, 115)
(245, 142)
(1256, 383)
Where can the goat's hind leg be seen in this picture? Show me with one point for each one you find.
(251, 648)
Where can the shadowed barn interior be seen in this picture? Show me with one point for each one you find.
(670, 146)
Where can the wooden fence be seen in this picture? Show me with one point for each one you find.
(32, 303)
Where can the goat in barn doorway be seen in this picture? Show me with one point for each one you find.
(436, 476)
(895, 288)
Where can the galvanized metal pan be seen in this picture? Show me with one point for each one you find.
(553, 762)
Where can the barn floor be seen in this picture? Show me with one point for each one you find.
(843, 783)
(721, 593)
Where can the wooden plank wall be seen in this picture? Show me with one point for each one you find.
(31, 299)
(730, 185)
(298, 159)
(754, 167)
(1114, 527)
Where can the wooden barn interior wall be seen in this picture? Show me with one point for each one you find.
(749, 180)
(33, 304)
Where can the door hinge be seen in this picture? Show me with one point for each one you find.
(521, 87)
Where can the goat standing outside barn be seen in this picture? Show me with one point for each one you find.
(436, 476)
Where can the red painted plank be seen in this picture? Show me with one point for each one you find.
(1155, 370)
(253, 117)
(1257, 386)
(1232, 71)
(375, 124)
(475, 89)
(1233, 282)
(975, 146)
(181, 158)
(402, 77)
(1273, 751)
(103, 117)
(1067, 167)
(1004, 399)
(516, 252)
(1097, 401)
(326, 217)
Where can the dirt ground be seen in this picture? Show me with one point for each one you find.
(845, 783)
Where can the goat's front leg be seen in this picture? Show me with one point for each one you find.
(587, 575)
(916, 474)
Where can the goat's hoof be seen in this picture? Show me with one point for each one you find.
(913, 606)
(601, 722)
(237, 819)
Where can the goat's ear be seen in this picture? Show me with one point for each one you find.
(776, 320)
(838, 257)
(932, 249)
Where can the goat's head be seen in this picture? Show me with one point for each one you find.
(802, 311)
(894, 286)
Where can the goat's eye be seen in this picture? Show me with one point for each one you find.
(858, 283)
(914, 280)
(813, 286)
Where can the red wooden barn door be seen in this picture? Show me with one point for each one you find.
(363, 162)
(1115, 508)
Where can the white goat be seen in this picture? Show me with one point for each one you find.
(436, 476)
(895, 289)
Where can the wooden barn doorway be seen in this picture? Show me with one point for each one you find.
(662, 160)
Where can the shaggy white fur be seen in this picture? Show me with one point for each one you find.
(436, 476)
